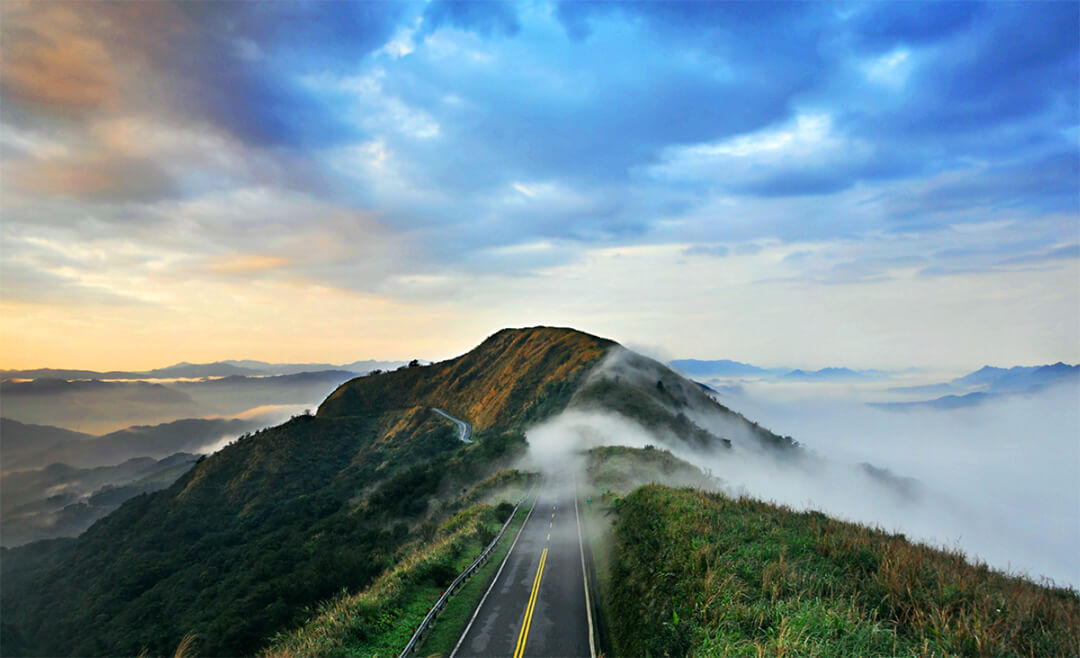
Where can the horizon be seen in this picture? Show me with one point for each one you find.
(659, 354)
(878, 185)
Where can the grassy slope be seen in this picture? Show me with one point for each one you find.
(379, 620)
(280, 520)
(669, 406)
(455, 616)
(703, 574)
(515, 376)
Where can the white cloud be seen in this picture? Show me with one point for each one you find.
(891, 69)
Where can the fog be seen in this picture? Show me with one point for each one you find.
(267, 415)
(999, 481)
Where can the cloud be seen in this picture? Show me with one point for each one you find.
(50, 62)
(998, 498)
(716, 251)
(414, 149)
(94, 178)
(486, 18)
(243, 264)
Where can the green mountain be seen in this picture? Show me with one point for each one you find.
(246, 542)
(330, 533)
(240, 545)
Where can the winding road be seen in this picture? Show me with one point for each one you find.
(464, 427)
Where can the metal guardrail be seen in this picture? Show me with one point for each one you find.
(429, 619)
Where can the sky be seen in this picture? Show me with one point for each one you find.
(810, 184)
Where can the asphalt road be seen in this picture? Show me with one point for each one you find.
(536, 605)
(464, 429)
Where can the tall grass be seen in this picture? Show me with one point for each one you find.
(708, 575)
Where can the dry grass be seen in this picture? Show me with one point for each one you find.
(704, 574)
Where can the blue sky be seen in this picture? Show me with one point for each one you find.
(807, 183)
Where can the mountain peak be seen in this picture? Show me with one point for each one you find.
(510, 377)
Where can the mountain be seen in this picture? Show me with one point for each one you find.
(1017, 380)
(985, 384)
(94, 405)
(726, 368)
(185, 370)
(62, 501)
(944, 403)
(100, 406)
(24, 445)
(296, 368)
(828, 375)
(36, 446)
(720, 368)
(240, 545)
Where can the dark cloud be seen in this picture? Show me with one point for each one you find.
(881, 26)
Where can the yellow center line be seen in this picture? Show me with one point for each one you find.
(549, 537)
(524, 634)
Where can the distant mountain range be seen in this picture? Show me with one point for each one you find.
(185, 370)
(28, 446)
(984, 384)
(62, 501)
(726, 368)
(100, 406)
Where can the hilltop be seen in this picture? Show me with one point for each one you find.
(240, 546)
(329, 533)
(281, 519)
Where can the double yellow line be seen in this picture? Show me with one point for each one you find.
(524, 634)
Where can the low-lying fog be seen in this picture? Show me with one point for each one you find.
(1000, 480)
(1002, 477)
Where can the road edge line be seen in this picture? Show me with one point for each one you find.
(496, 578)
(584, 575)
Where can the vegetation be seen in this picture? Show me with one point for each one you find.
(379, 620)
(708, 575)
(514, 377)
(254, 537)
(459, 609)
(670, 407)
(617, 470)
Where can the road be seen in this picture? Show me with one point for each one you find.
(537, 605)
(464, 428)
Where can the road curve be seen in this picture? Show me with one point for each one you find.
(537, 604)
(465, 429)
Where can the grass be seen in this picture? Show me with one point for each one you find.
(379, 620)
(452, 620)
(707, 575)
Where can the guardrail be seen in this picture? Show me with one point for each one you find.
(429, 619)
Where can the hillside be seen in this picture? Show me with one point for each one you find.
(514, 377)
(243, 543)
(703, 574)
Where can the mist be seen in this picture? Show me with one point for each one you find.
(999, 481)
